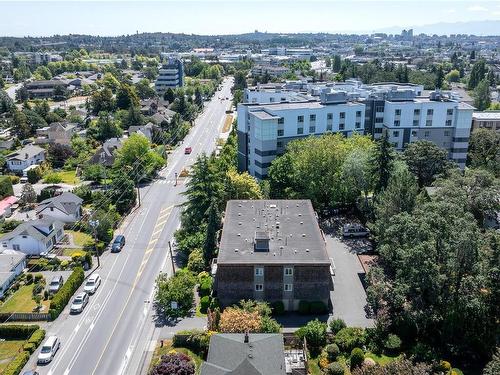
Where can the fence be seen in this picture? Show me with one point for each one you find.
(24, 317)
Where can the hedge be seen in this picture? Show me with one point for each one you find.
(16, 366)
(62, 297)
(195, 340)
(29, 347)
(278, 308)
(205, 287)
(204, 304)
(37, 337)
(318, 307)
(17, 331)
(303, 307)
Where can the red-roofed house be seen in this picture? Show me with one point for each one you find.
(6, 206)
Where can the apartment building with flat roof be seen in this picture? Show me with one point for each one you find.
(170, 75)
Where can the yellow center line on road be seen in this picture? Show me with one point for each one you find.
(145, 259)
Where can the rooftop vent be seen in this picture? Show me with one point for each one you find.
(272, 206)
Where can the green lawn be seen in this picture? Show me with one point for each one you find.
(314, 366)
(167, 346)
(382, 359)
(71, 252)
(22, 301)
(66, 177)
(8, 350)
(80, 238)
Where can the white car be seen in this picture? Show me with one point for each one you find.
(79, 303)
(49, 349)
(92, 284)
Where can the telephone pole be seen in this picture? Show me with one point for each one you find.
(94, 224)
(171, 257)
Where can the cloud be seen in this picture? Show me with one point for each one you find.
(451, 11)
(477, 8)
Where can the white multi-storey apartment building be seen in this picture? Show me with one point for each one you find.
(273, 115)
(171, 75)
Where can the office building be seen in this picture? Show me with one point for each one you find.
(171, 75)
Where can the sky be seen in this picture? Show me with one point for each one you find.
(210, 17)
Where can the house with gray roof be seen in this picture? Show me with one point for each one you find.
(66, 207)
(272, 250)
(12, 264)
(34, 237)
(105, 155)
(245, 354)
(23, 158)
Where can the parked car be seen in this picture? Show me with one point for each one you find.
(49, 349)
(79, 303)
(118, 243)
(354, 230)
(92, 284)
(31, 372)
(56, 284)
(188, 150)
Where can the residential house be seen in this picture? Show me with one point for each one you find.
(66, 207)
(12, 264)
(6, 206)
(245, 354)
(272, 250)
(34, 237)
(105, 155)
(145, 130)
(57, 133)
(23, 158)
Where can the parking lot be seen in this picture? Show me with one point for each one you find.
(349, 296)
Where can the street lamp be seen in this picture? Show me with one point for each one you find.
(94, 224)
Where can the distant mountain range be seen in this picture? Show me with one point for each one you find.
(487, 27)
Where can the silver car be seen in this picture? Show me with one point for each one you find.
(49, 349)
(79, 303)
(92, 284)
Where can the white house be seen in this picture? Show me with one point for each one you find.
(12, 263)
(34, 237)
(66, 207)
(25, 157)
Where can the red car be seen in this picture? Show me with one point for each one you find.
(188, 150)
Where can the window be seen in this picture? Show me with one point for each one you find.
(14, 247)
(259, 287)
(271, 100)
(329, 116)
(395, 134)
(283, 99)
(281, 121)
(447, 133)
(328, 127)
(280, 132)
(428, 123)
(427, 134)
(379, 120)
(449, 112)
(430, 112)
(312, 117)
(288, 287)
(341, 126)
(414, 133)
(397, 122)
(448, 123)
(300, 119)
(415, 122)
(397, 112)
(300, 131)
(24, 236)
(357, 125)
(312, 129)
(279, 144)
(416, 112)
(288, 271)
(259, 271)
(342, 114)
(379, 108)
(358, 113)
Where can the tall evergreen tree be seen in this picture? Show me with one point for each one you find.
(382, 162)
(213, 226)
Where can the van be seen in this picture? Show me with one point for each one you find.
(354, 230)
(118, 243)
(56, 284)
(49, 349)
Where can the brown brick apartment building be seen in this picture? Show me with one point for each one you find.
(272, 250)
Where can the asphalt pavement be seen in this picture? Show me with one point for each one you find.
(116, 329)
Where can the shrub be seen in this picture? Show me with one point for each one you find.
(14, 179)
(196, 263)
(15, 367)
(357, 358)
(350, 337)
(37, 289)
(443, 366)
(336, 325)
(6, 188)
(317, 307)
(205, 287)
(34, 175)
(204, 304)
(38, 277)
(37, 337)
(194, 340)
(303, 307)
(314, 332)
(392, 343)
(333, 351)
(335, 368)
(17, 331)
(174, 363)
(63, 295)
(29, 347)
(52, 178)
(29, 278)
(269, 325)
(278, 308)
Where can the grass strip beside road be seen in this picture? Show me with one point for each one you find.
(227, 124)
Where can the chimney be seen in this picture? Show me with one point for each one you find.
(246, 338)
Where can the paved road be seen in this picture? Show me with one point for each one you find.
(104, 338)
(11, 91)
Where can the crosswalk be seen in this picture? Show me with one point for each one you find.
(166, 182)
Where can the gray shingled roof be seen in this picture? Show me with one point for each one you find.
(27, 152)
(31, 228)
(292, 227)
(229, 354)
(67, 202)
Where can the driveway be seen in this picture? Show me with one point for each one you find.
(349, 296)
